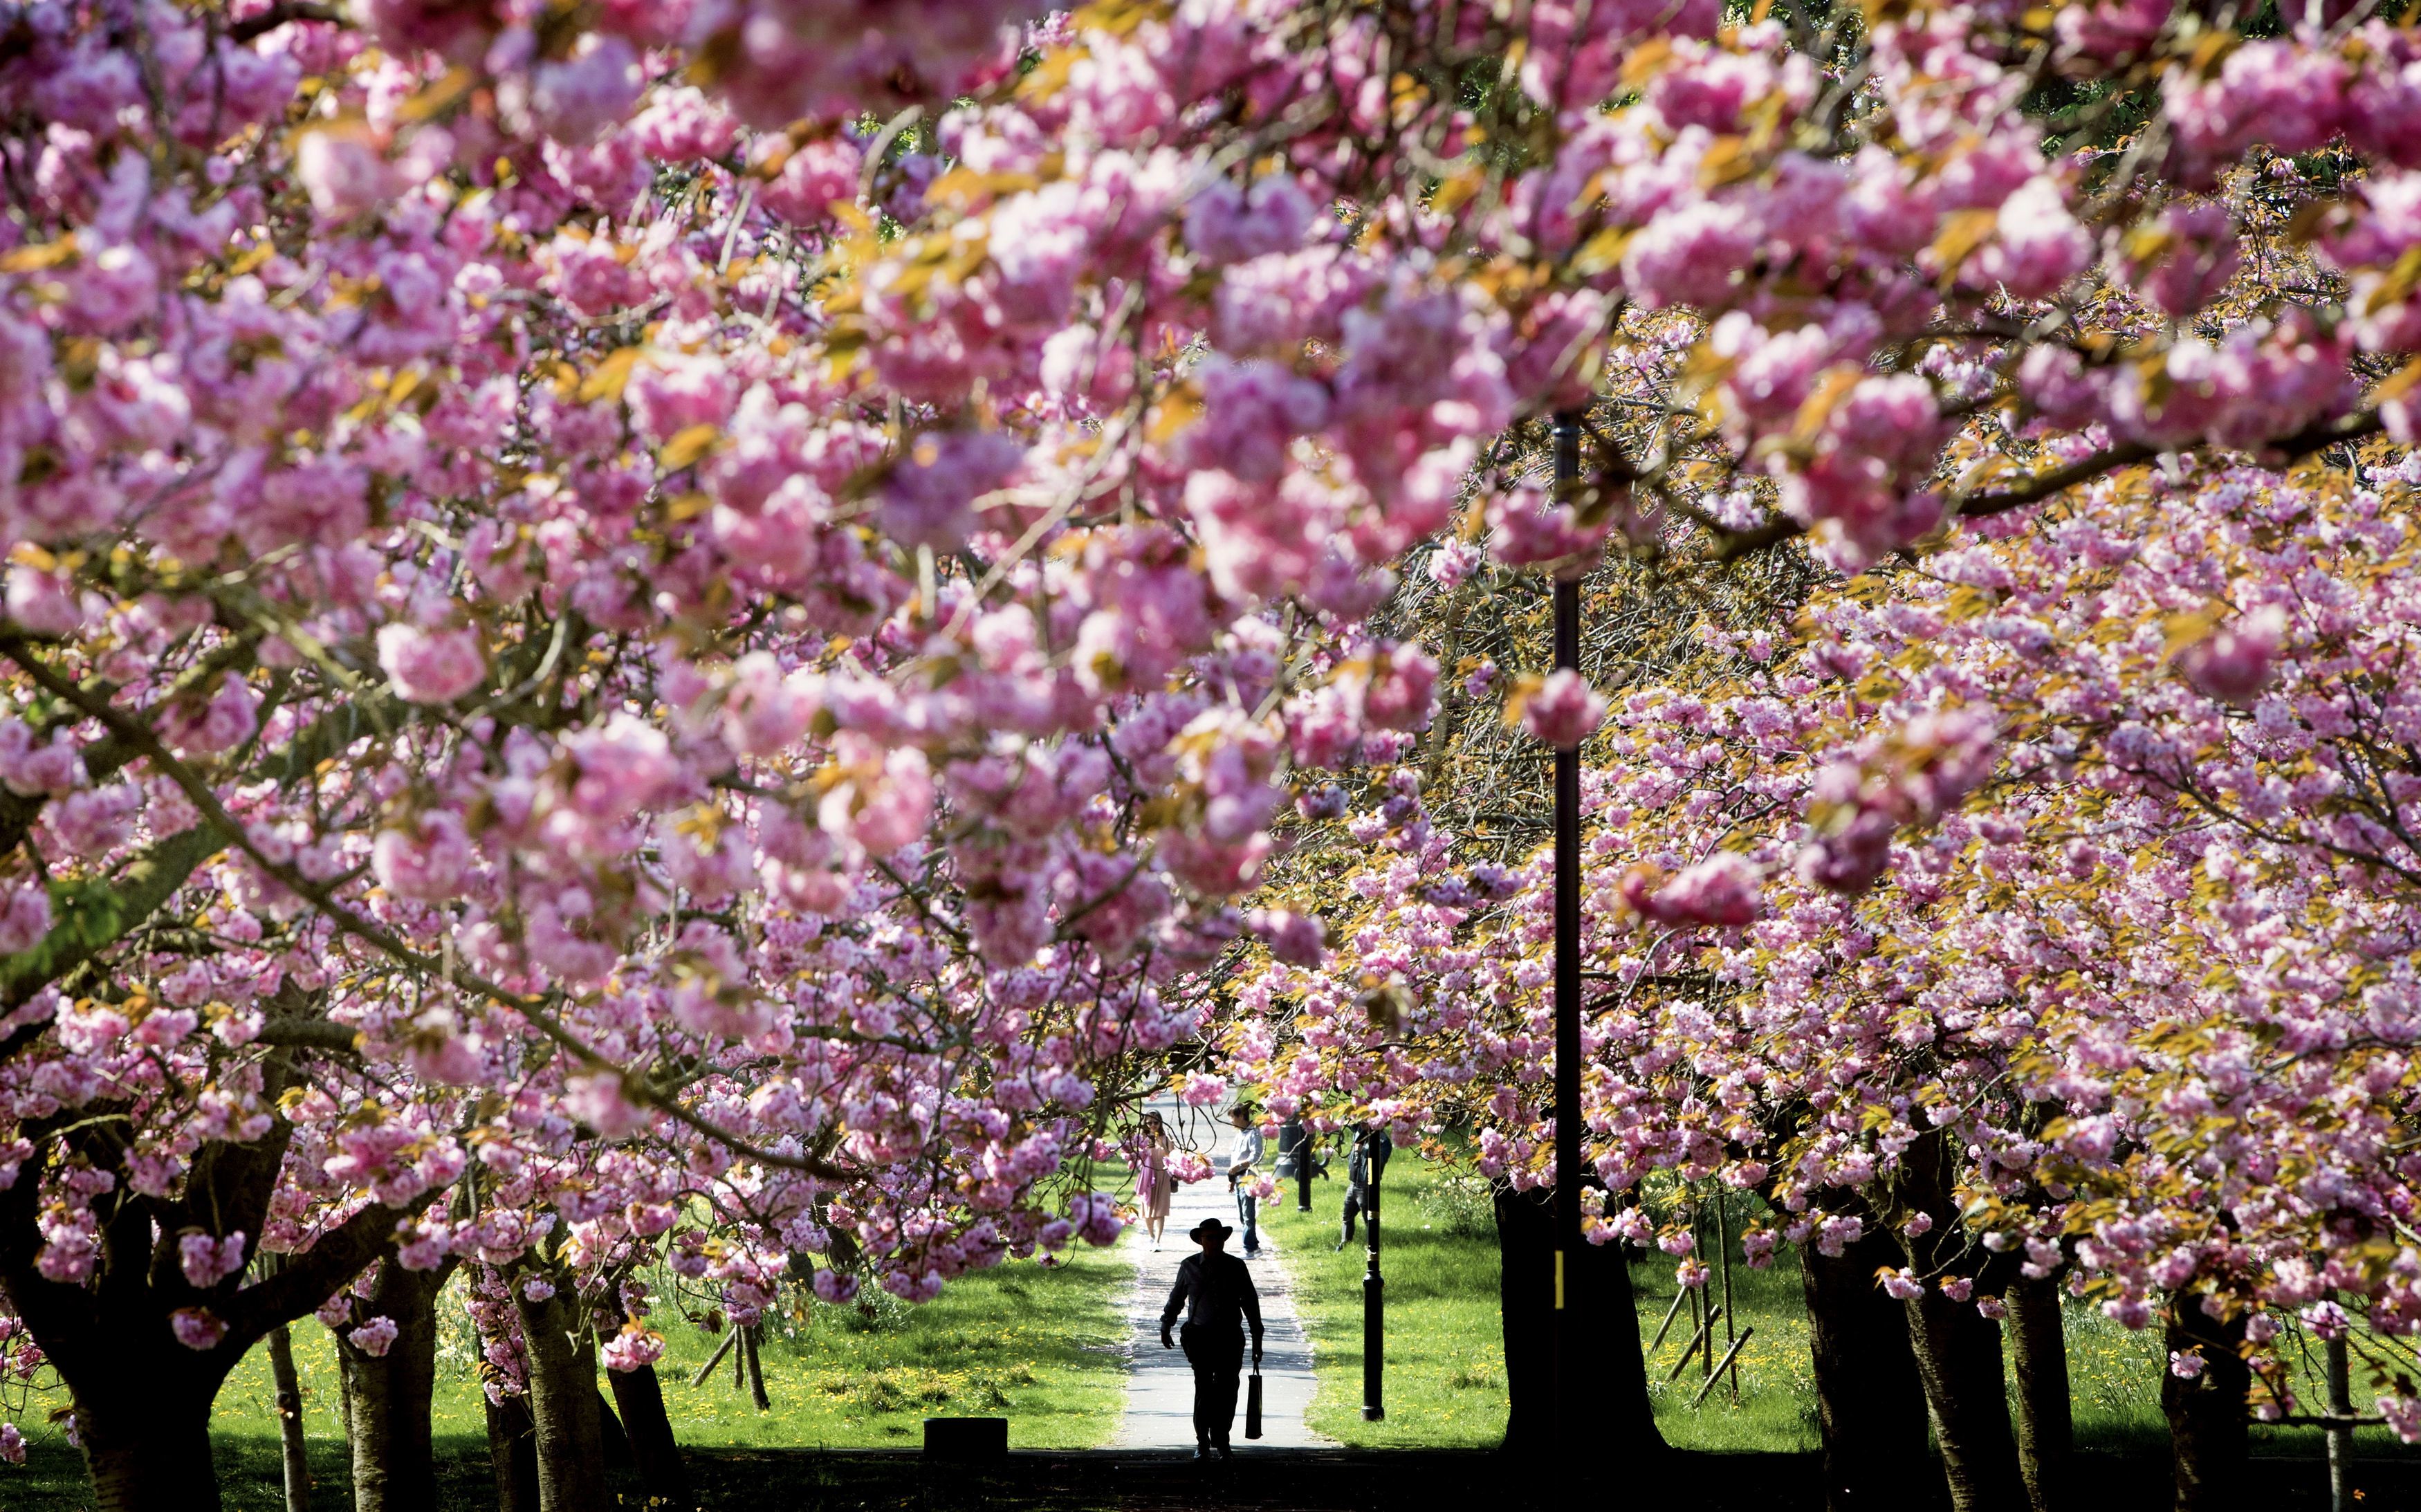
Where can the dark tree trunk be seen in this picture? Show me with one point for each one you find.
(1869, 1401)
(1615, 1396)
(2046, 1434)
(388, 1396)
(2210, 1444)
(1958, 1349)
(1524, 1285)
(1617, 1407)
(563, 1405)
(610, 1437)
(1958, 1361)
(512, 1455)
(142, 1399)
(294, 1447)
(641, 1398)
(149, 1451)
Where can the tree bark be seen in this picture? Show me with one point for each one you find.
(1524, 1253)
(512, 1455)
(152, 1452)
(1958, 1361)
(1614, 1398)
(2046, 1431)
(388, 1396)
(294, 1447)
(640, 1397)
(1869, 1401)
(563, 1404)
(2210, 1443)
(610, 1437)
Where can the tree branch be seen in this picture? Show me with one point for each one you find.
(278, 15)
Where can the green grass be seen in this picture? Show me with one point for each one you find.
(1445, 1350)
(1035, 1344)
(1039, 1346)
(1446, 1356)
(1445, 1341)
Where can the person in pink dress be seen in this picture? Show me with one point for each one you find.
(1155, 1183)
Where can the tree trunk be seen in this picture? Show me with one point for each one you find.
(150, 1452)
(2046, 1434)
(1524, 1282)
(2210, 1445)
(388, 1396)
(610, 1437)
(1869, 1401)
(1614, 1391)
(641, 1398)
(563, 1405)
(291, 1439)
(512, 1455)
(1617, 1409)
(1958, 1361)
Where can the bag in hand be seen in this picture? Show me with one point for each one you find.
(1253, 1405)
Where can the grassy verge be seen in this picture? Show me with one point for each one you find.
(1446, 1358)
(1445, 1350)
(1035, 1344)
(1445, 1342)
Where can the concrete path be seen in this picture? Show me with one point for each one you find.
(1160, 1386)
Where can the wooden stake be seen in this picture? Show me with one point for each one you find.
(1731, 1356)
(1723, 1248)
(720, 1350)
(1692, 1348)
(1681, 1295)
(756, 1369)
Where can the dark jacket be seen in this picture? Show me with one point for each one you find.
(1214, 1292)
(1369, 1158)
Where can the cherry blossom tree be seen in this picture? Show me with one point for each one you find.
(651, 611)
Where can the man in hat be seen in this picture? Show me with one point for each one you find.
(1214, 1291)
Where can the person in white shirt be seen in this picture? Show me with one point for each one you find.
(1243, 1169)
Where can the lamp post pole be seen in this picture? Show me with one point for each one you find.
(1374, 1304)
(1568, 1350)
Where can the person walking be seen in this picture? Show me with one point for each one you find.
(1214, 1290)
(1155, 1183)
(1363, 1168)
(1243, 1169)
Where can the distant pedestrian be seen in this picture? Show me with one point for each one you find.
(1363, 1169)
(1243, 1170)
(1155, 1183)
(1214, 1290)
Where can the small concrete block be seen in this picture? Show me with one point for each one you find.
(966, 1438)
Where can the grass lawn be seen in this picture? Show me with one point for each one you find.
(1445, 1357)
(1446, 1344)
(1445, 1341)
(1035, 1344)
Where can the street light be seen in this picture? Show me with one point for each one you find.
(1303, 1164)
(1566, 1349)
(1374, 1296)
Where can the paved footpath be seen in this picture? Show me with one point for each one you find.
(1160, 1386)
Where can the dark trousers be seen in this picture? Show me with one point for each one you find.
(1248, 1214)
(1217, 1356)
(1356, 1203)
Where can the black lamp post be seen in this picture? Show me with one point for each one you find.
(1568, 1350)
(1374, 1299)
(1303, 1164)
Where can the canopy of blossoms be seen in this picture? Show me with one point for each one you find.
(686, 628)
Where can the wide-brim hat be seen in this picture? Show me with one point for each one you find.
(1210, 1228)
